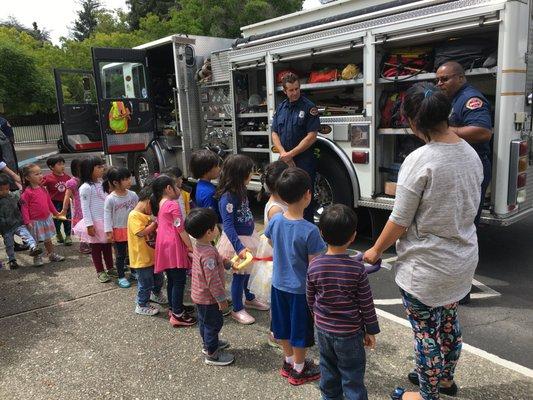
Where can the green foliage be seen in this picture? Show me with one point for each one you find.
(27, 58)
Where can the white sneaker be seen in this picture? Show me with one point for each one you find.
(147, 310)
(54, 257)
(159, 298)
(38, 261)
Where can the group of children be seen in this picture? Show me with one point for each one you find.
(314, 282)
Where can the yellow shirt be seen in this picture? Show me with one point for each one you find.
(141, 255)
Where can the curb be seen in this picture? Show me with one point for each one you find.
(35, 159)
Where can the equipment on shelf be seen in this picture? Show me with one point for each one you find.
(324, 75)
(407, 62)
(470, 53)
(390, 105)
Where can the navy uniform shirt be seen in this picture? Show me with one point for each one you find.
(6, 128)
(292, 122)
(471, 108)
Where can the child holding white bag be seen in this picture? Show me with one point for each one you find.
(260, 282)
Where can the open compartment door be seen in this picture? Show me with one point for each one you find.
(125, 109)
(77, 108)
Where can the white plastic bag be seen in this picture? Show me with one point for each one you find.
(260, 283)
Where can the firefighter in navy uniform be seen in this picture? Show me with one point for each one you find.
(471, 119)
(294, 131)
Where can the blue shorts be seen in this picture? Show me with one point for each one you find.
(291, 318)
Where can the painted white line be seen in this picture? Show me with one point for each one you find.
(38, 158)
(484, 288)
(387, 302)
(471, 349)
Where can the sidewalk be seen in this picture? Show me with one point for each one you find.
(66, 336)
(31, 153)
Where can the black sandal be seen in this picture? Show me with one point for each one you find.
(448, 391)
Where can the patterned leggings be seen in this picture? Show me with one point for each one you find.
(437, 343)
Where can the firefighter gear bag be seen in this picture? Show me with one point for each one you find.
(325, 75)
(390, 105)
(408, 61)
(470, 53)
(119, 115)
(351, 71)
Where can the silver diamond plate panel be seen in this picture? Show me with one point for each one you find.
(348, 119)
(365, 25)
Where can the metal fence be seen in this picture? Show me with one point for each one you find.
(46, 133)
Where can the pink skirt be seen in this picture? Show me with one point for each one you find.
(43, 229)
(80, 230)
(226, 250)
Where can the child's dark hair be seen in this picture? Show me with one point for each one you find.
(52, 161)
(199, 221)
(26, 171)
(87, 168)
(293, 184)
(158, 188)
(117, 174)
(235, 170)
(145, 193)
(203, 161)
(337, 224)
(270, 176)
(427, 107)
(4, 180)
(75, 166)
(173, 172)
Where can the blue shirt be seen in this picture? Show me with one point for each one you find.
(471, 108)
(204, 197)
(6, 128)
(293, 241)
(292, 122)
(237, 219)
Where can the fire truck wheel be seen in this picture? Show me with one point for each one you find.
(145, 166)
(332, 184)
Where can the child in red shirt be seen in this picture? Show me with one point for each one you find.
(55, 184)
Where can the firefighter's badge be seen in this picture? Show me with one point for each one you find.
(474, 103)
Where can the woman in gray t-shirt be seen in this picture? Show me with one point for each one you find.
(432, 223)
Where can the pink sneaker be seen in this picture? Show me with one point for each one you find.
(242, 317)
(256, 304)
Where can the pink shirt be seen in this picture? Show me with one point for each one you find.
(170, 251)
(73, 184)
(36, 204)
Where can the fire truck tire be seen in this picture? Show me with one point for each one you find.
(332, 184)
(145, 165)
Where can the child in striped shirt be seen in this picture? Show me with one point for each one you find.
(340, 298)
(207, 287)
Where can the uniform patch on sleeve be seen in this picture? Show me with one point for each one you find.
(313, 111)
(177, 222)
(229, 208)
(474, 103)
(210, 263)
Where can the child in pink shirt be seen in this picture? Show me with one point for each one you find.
(37, 208)
(172, 248)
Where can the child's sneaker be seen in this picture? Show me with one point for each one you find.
(54, 257)
(181, 320)
(146, 310)
(227, 311)
(222, 344)
(85, 248)
(112, 272)
(103, 277)
(68, 241)
(309, 373)
(13, 264)
(257, 305)
(35, 251)
(286, 369)
(220, 358)
(38, 261)
(158, 298)
(59, 238)
(124, 283)
(242, 317)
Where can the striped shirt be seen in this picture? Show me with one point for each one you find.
(207, 285)
(339, 295)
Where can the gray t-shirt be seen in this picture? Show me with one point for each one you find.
(117, 208)
(437, 198)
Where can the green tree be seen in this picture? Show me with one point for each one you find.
(87, 19)
(141, 8)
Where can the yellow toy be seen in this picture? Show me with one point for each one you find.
(244, 263)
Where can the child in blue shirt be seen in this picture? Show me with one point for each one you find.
(205, 167)
(295, 243)
(239, 236)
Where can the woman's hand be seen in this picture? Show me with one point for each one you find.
(91, 231)
(371, 256)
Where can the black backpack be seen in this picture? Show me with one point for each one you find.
(470, 53)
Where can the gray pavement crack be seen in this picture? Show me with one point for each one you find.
(20, 313)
